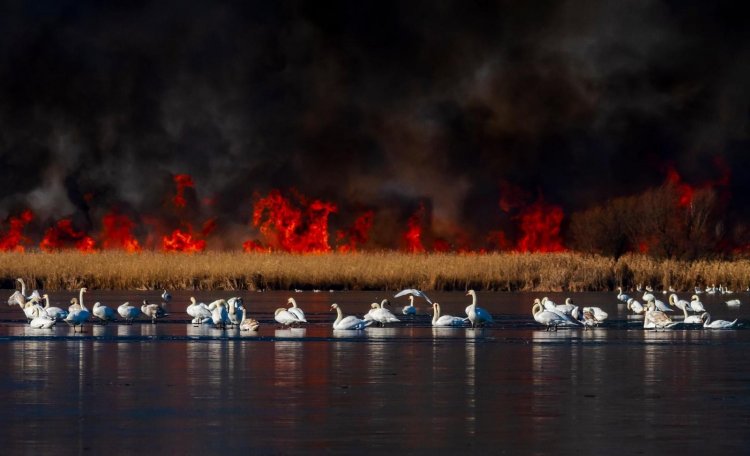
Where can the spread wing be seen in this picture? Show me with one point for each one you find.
(414, 292)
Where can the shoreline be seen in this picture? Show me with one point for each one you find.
(544, 272)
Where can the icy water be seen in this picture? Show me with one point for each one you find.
(513, 388)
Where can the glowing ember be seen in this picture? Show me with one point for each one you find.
(117, 233)
(684, 190)
(14, 238)
(540, 225)
(63, 236)
(180, 241)
(413, 235)
(358, 234)
(286, 226)
(182, 181)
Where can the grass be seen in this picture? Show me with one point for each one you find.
(112, 270)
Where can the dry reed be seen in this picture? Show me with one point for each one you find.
(113, 270)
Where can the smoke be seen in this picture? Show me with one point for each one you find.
(370, 105)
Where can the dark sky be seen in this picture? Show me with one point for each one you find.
(371, 105)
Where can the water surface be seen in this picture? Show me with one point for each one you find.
(511, 388)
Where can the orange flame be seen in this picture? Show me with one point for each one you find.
(180, 241)
(14, 238)
(293, 229)
(413, 234)
(117, 233)
(182, 181)
(358, 234)
(540, 225)
(63, 236)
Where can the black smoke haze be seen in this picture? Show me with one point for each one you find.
(371, 105)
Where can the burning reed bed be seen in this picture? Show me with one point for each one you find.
(112, 270)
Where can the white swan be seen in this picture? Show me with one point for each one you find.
(41, 320)
(29, 308)
(476, 315)
(678, 303)
(20, 297)
(166, 297)
(691, 319)
(622, 296)
(199, 312)
(379, 313)
(248, 324)
(54, 312)
(547, 317)
(717, 324)
(413, 292)
(153, 311)
(635, 306)
(410, 309)
(103, 313)
(233, 306)
(296, 311)
(76, 303)
(348, 322)
(696, 305)
(599, 314)
(219, 313)
(733, 302)
(78, 317)
(284, 317)
(128, 312)
(445, 320)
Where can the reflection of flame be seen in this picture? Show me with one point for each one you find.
(14, 238)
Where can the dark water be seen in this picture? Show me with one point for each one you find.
(512, 388)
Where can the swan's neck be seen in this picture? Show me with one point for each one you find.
(292, 302)
(80, 300)
(23, 287)
(339, 315)
(708, 319)
(436, 314)
(684, 310)
(536, 308)
(46, 302)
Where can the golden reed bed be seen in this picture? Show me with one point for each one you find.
(362, 271)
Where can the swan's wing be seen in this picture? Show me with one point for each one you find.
(414, 292)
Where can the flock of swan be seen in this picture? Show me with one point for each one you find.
(231, 312)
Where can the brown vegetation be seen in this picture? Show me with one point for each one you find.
(360, 271)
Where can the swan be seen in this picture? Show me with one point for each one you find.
(54, 312)
(660, 305)
(248, 324)
(20, 297)
(696, 305)
(77, 303)
(233, 305)
(199, 311)
(284, 317)
(588, 319)
(78, 317)
(647, 297)
(410, 309)
(166, 297)
(733, 302)
(128, 312)
(692, 319)
(413, 292)
(476, 315)
(599, 314)
(103, 313)
(445, 320)
(348, 322)
(677, 302)
(29, 308)
(380, 314)
(717, 324)
(635, 306)
(41, 320)
(622, 296)
(547, 317)
(655, 319)
(219, 313)
(296, 311)
(697, 290)
(153, 311)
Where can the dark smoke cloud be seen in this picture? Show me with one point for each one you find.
(377, 105)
